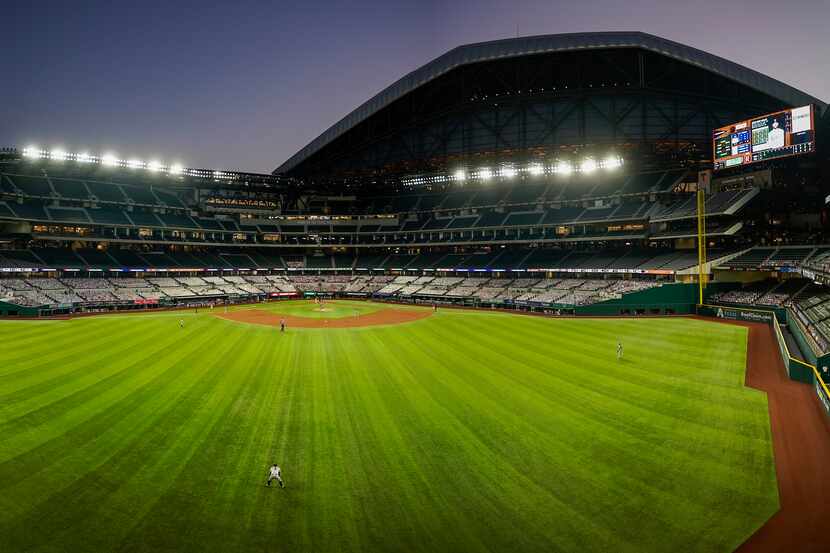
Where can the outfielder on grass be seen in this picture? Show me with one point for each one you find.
(275, 474)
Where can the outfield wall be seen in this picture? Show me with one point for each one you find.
(667, 299)
(678, 299)
(798, 370)
(12, 310)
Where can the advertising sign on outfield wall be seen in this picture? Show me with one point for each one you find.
(735, 314)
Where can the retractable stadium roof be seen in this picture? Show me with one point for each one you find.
(546, 44)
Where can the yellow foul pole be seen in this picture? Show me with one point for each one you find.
(701, 242)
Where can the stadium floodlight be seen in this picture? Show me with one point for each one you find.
(109, 160)
(84, 158)
(460, 175)
(176, 169)
(509, 172)
(31, 151)
(588, 165)
(612, 162)
(58, 154)
(154, 165)
(563, 168)
(485, 173)
(535, 169)
(135, 164)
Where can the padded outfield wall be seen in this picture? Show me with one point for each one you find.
(812, 373)
(668, 299)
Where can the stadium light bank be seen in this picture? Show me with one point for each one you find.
(112, 160)
(510, 171)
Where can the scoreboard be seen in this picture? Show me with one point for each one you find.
(781, 134)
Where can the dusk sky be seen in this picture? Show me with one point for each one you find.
(245, 84)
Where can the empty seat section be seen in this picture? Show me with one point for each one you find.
(562, 215)
(318, 262)
(524, 194)
(168, 198)
(463, 222)
(491, 219)
(29, 210)
(108, 216)
(70, 188)
(455, 200)
(5, 211)
(126, 258)
(34, 186)
(98, 259)
(145, 218)
(68, 215)
(106, 191)
(140, 195)
(518, 219)
(59, 257)
(177, 220)
(239, 261)
(436, 224)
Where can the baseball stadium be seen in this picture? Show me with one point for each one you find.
(555, 293)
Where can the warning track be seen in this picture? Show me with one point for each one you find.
(801, 444)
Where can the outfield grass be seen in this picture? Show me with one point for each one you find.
(465, 431)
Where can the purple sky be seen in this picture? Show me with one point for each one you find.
(244, 85)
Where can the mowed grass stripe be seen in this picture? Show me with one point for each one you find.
(78, 445)
(464, 431)
(566, 367)
(395, 456)
(65, 373)
(597, 432)
(63, 415)
(476, 449)
(138, 462)
(650, 391)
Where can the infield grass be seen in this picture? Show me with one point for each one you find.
(465, 431)
(337, 309)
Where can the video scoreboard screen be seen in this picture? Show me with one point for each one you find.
(781, 134)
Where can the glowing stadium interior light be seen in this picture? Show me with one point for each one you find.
(176, 169)
(460, 175)
(58, 154)
(109, 160)
(535, 169)
(563, 168)
(612, 163)
(588, 165)
(154, 165)
(485, 173)
(31, 151)
(135, 164)
(84, 158)
(509, 172)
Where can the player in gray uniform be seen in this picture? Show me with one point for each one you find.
(275, 474)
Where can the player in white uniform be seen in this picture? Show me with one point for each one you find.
(619, 350)
(181, 323)
(275, 474)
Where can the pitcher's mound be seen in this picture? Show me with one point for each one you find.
(382, 317)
